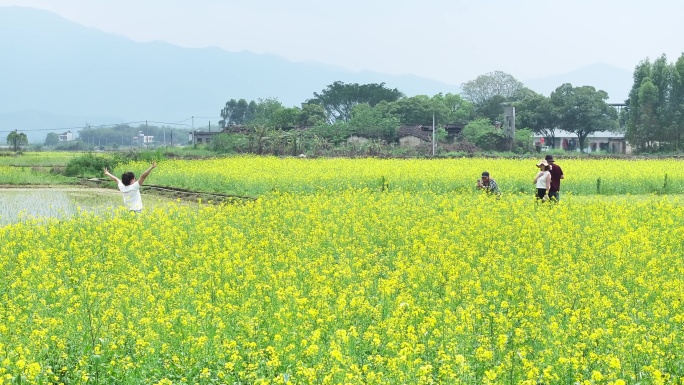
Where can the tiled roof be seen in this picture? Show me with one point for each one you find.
(418, 131)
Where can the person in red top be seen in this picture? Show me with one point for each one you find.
(556, 176)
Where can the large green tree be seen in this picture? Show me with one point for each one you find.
(655, 113)
(51, 139)
(537, 113)
(267, 113)
(414, 110)
(311, 115)
(17, 139)
(237, 112)
(492, 84)
(583, 111)
(420, 109)
(332, 134)
(635, 130)
(372, 123)
(286, 117)
(649, 122)
(490, 92)
(677, 102)
(457, 109)
(492, 108)
(338, 99)
(661, 76)
(483, 134)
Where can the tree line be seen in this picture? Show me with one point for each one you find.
(654, 115)
(113, 137)
(376, 112)
(652, 119)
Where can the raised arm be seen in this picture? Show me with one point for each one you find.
(146, 173)
(112, 177)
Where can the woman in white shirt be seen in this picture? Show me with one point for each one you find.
(130, 188)
(543, 180)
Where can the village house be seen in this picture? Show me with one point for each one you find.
(142, 140)
(607, 141)
(201, 137)
(66, 136)
(416, 135)
(206, 137)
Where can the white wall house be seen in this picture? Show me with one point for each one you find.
(607, 141)
(66, 136)
(142, 139)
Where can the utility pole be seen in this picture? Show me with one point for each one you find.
(509, 125)
(434, 140)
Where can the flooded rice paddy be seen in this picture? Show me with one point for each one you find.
(25, 203)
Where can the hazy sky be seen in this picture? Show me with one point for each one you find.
(449, 40)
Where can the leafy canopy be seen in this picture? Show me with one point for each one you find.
(338, 99)
(17, 139)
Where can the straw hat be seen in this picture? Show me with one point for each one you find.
(542, 162)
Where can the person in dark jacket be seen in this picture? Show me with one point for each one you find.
(556, 176)
(488, 184)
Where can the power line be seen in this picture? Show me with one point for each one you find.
(184, 120)
(180, 123)
(175, 124)
(73, 128)
(46, 129)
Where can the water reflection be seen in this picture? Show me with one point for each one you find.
(17, 204)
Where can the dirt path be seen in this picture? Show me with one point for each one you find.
(178, 193)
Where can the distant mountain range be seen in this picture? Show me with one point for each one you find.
(57, 74)
(615, 81)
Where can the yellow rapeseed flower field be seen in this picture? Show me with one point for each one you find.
(347, 282)
(256, 176)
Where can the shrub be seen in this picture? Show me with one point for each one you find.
(484, 135)
(89, 165)
(76, 145)
(136, 155)
(228, 143)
